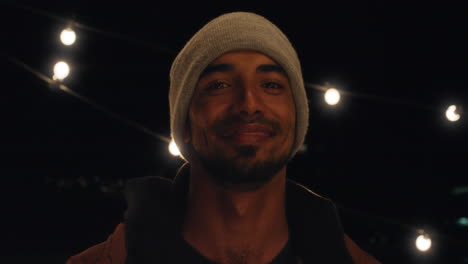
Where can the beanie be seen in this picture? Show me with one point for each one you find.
(229, 32)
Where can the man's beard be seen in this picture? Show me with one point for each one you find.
(241, 174)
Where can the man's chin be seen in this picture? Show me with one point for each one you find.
(246, 151)
(246, 173)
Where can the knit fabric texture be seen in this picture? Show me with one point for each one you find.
(229, 32)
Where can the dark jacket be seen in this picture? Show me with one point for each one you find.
(156, 208)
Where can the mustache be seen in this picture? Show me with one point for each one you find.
(231, 121)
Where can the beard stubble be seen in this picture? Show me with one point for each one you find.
(242, 172)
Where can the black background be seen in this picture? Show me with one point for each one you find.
(386, 154)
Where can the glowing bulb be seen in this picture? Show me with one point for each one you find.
(332, 96)
(173, 149)
(452, 113)
(423, 242)
(68, 36)
(61, 70)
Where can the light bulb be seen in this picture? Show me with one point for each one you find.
(61, 70)
(332, 96)
(452, 114)
(423, 242)
(173, 149)
(68, 36)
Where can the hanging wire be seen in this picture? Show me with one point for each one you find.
(162, 49)
(106, 33)
(86, 100)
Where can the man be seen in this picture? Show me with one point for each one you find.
(239, 113)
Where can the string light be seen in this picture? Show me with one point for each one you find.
(68, 36)
(37, 11)
(61, 70)
(332, 96)
(452, 114)
(173, 149)
(423, 241)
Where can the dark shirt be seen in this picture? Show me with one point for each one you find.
(189, 254)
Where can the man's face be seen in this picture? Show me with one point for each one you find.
(242, 119)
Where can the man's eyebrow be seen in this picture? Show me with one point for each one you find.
(216, 68)
(271, 68)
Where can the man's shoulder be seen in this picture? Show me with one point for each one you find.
(111, 251)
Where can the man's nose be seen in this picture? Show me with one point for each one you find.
(248, 99)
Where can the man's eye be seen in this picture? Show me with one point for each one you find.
(216, 86)
(273, 85)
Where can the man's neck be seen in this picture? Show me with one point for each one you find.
(236, 227)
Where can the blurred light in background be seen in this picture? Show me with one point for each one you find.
(68, 36)
(423, 242)
(452, 113)
(173, 149)
(463, 221)
(460, 190)
(61, 70)
(332, 96)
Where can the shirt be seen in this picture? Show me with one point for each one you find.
(189, 254)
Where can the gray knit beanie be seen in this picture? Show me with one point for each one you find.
(228, 32)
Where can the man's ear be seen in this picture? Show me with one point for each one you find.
(187, 132)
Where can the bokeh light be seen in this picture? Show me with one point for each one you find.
(452, 113)
(332, 96)
(173, 149)
(68, 36)
(423, 242)
(61, 70)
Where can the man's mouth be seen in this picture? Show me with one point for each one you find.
(247, 134)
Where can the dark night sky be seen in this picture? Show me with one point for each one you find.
(386, 149)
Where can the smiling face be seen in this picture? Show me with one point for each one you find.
(242, 119)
